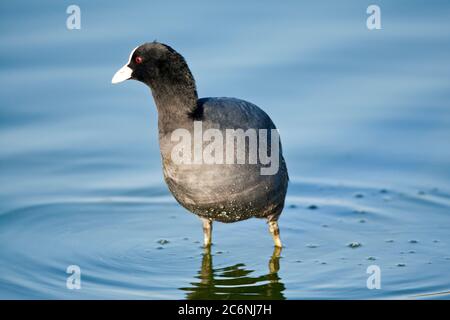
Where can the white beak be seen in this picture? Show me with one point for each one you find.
(123, 74)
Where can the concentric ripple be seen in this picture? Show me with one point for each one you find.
(136, 247)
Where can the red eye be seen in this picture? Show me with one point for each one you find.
(138, 59)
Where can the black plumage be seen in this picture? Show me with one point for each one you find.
(222, 192)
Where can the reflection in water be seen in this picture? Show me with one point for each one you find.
(235, 282)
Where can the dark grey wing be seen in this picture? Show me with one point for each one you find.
(234, 113)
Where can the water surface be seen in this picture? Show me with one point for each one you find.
(364, 118)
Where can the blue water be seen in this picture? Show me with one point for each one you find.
(364, 118)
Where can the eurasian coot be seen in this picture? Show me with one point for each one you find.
(196, 136)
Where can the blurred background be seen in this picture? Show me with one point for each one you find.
(364, 117)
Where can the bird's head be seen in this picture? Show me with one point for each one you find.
(155, 64)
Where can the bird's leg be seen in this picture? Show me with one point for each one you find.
(207, 231)
(275, 231)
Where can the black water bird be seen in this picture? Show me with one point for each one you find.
(219, 191)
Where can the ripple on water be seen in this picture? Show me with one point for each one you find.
(131, 247)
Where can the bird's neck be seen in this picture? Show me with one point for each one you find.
(175, 104)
